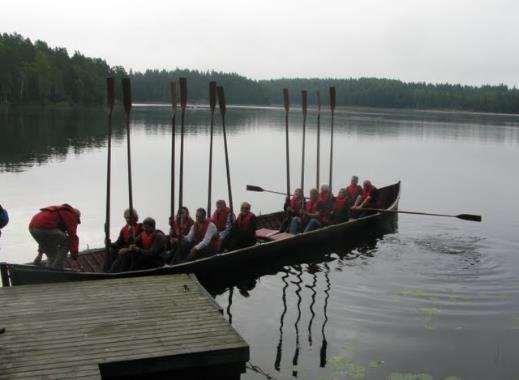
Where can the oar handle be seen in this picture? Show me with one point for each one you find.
(221, 99)
(174, 95)
(304, 101)
(183, 92)
(286, 99)
(212, 95)
(127, 95)
(110, 93)
(332, 98)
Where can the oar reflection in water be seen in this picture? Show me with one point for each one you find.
(312, 269)
(296, 325)
(279, 349)
(229, 304)
(324, 344)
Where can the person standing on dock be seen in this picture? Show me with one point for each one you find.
(4, 218)
(55, 230)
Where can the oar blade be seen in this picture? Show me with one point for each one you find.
(127, 95)
(286, 99)
(110, 92)
(183, 92)
(173, 86)
(212, 95)
(254, 188)
(221, 99)
(471, 217)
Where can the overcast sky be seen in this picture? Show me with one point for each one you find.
(461, 41)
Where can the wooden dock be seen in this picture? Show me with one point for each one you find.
(160, 326)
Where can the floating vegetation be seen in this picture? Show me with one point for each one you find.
(410, 376)
(418, 293)
(515, 321)
(376, 363)
(345, 366)
(430, 314)
(458, 298)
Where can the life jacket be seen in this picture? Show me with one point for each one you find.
(200, 231)
(296, 203)
(367, 191)
(324, 206)
(181, 229)
(354, 191)
(244, 221)
(129, 232)
(147, 239)
(310, 205)
(219, 218)
(340, 202)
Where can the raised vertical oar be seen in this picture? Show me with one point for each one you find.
(174, 101)
(212, 105)
(318, 163)
(110, 95)
(286, 102)
(127, 102)
(221, 102)
(304, 105)
(183, 103)
(332, 109)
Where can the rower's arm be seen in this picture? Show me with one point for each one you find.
(209, 234)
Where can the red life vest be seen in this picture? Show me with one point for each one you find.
(219, 218)
(340, 202)
(147, 239)
(200, 231)
(128, 232)
(354, 191)
(366, 191)
(295, 203)
(181, 229)
(310, 206)
(244, 221)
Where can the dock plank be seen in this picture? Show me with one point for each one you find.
(71, 329)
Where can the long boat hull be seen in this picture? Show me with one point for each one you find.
(89, 264)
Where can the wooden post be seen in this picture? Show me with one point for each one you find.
(332, 109)
(221, 101)
(212, 105)
(286, 102)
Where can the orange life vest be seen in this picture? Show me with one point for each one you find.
(128, 232)
(354, 191)
(219, 218)
(244, 221)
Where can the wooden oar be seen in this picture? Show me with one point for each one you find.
(110, 96)
(262, 190)
(127, 102)
(332, 109)
(304, 105)
(221, 102)
(471, 217)
(174, 101)
(183, 104)
(212, 105)
(318, 164)
(286, 103)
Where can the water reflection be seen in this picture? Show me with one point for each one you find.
(279, 348)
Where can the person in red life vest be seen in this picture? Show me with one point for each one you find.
(292, 207)
(297, 222)
(126, 237)
(223, 218)
(202, 239)
(147, 251)
(341, 207)
(354, 189)
(369, 199)
(55, 230)
(179, 228)
(322, 213)
(243, 233)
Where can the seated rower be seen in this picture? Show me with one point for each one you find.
(297, 222)
(292, 207)
(179, 228)
(243, 233)
(145, 253)
(127, 236)
(202, 239)
(368, 199)
(354, 189)
(322, 212)
(341, 207)
(223, 218)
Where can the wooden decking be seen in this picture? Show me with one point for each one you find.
(130, 326)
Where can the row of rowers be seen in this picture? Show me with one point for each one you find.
(142, 245)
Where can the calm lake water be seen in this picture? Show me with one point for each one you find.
(436, 299)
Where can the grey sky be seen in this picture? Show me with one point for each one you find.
(462, 41)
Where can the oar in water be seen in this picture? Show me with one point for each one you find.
(127, 102)
(110, 96)
(261, 189)
(471, 217)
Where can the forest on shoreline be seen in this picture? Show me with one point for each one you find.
(33, 73)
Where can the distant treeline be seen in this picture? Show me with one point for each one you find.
(34, 73)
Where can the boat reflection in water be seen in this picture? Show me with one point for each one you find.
(309, 269)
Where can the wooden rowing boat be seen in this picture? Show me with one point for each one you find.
(271, 246)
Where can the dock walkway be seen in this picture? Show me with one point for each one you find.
(140, 326)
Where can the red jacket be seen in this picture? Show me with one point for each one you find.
(219, 218)
(246, 223)
(354, 191)
(177, 230)
(63, 217)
